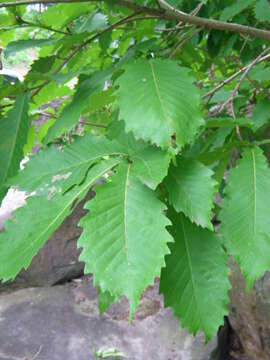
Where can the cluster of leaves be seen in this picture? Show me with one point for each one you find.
(173, 118)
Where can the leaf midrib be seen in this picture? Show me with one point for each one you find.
(159, 96)
(255, 194)
(190, 269)
(125, 221)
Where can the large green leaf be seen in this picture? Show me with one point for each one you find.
(13, 137)
(33, 224)
(68, 165)
(191, 190)
(124, 239)
(157, 99)
(245, 224)
(194, 282)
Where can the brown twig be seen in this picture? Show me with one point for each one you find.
(210, 93)
(230, 101)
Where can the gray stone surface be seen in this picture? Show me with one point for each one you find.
(250, 314)
(63, 323)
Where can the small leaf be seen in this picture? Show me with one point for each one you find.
(71, 113)
(191, 189)
(21, 45)
(105, 299)
(236, 8)
(89, 23)
(150, 163)
(261, 114)
(262, 10)
(194, 282)
(13, 137)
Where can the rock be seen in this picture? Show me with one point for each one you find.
(57, 261)
(63, 323)
(250, 315)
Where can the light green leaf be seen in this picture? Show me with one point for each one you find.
(91, 23)
(157, 100)
(236, 8)
(261, 114)
(21, 45)
(244, 217)
(61, 14)
(124, 239)
(191, 190)
(194, 282)
(13, 137)
(227, 122)
(33, 224)
(105, 299)
(69, 165)
(30, 143)
(262, 10)
(71, 113)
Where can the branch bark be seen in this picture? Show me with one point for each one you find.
(169, 13)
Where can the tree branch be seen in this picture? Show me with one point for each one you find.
(169, 13)
(232, 77)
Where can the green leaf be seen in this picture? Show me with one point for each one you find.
(61, 14)
(21, 45)
(71, 113)
(91, 23)
(260, 73)
(33, 224)
(69, 165)
(105, 299)
(124, 239)
(30, 143)
(194, 282)
(236, 8)
(157, 100)
(261, 114)
(244, 217)
(191, 190)
(227, 122)
(262, 10)
(150, 163)
(13, 137)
